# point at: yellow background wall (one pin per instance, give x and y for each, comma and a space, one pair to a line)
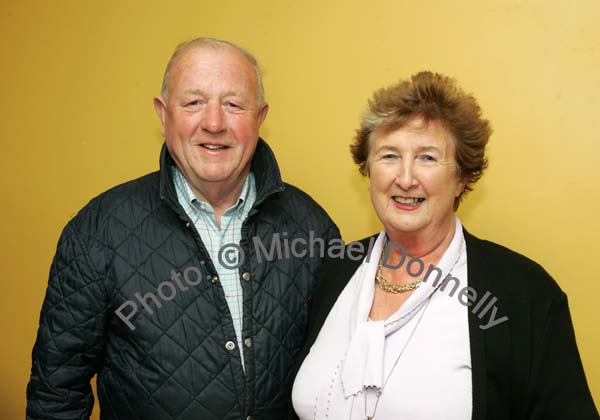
76, 109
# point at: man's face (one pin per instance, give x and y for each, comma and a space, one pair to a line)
210, 120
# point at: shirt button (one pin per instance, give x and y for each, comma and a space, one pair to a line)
248, 342
249, 418
215, 279
246, 276
230, 345
187, 225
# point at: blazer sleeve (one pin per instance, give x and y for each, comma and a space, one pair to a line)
558, 387
69, 347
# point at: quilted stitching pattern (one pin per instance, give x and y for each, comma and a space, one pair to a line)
174, 365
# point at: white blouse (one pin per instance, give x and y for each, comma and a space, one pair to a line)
418, 360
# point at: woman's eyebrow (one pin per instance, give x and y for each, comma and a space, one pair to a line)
428, 148
387, 147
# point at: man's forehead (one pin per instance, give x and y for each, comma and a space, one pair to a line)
209, 56
200, 64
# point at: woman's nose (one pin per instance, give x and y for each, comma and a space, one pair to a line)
406, 178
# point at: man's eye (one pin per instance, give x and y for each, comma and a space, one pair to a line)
193, 103
233, 105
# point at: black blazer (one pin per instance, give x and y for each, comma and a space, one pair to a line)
525, 368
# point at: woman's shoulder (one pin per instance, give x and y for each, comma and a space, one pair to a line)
506, 270
337, 269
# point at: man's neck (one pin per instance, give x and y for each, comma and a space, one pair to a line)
220, 195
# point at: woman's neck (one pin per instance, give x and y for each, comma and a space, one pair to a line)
429, 246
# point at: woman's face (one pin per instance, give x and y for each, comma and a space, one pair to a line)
413, 179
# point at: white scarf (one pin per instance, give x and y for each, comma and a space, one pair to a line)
355, 345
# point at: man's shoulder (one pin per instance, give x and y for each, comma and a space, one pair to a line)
127, 201
297, 205
299, 197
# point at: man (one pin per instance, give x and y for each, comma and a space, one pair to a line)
142, 289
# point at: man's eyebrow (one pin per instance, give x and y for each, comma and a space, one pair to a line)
200, 92
193, 92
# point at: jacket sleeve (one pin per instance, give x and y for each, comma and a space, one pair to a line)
69, 347
558, 388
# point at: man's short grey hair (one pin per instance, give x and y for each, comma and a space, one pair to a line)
216, 44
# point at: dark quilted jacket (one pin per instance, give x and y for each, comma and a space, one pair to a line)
176, 363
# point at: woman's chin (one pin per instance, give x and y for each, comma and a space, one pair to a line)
418, 229
404, 230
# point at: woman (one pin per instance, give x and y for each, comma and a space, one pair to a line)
435, 323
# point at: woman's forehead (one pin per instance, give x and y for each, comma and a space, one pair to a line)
418, 134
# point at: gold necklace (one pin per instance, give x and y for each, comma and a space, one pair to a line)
392, 288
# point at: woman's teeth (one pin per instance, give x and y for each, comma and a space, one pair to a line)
408, 201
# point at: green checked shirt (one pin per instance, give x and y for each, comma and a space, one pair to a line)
214, 238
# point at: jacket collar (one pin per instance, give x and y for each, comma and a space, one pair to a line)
264, 166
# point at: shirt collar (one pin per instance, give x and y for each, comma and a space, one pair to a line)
249, 185
183, 188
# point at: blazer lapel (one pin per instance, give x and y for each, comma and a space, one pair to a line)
478, 280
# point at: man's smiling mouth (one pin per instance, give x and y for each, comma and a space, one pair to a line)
214, 146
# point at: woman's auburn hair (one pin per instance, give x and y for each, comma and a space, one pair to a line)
433, 97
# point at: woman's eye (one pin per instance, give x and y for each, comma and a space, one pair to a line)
427, 158
389, 156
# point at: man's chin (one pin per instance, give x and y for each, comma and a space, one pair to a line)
220, 176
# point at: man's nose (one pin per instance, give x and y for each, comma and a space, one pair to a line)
213, 119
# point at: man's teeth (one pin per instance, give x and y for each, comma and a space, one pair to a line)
214, 146
408, 201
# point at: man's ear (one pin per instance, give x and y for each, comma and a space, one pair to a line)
262, 114
161, 109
